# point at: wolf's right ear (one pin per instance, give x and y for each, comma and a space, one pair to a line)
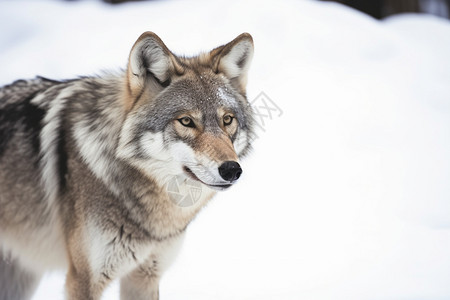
149, 57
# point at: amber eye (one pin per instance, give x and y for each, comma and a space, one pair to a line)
187, 122
227, 120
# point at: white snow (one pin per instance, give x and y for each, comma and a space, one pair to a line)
346, 195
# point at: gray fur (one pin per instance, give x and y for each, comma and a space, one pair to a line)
82, 188
16, 283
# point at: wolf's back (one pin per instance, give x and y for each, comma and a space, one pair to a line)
19, 117
20, 130
22, 89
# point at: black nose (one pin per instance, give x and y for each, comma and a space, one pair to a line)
230, 171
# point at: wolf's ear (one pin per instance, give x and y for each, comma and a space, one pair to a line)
233, 59
149, 57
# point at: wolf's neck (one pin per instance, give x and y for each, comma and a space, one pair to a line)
96, 119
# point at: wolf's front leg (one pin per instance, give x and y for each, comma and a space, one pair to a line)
142, 283
79, 285
83, 283
87, 278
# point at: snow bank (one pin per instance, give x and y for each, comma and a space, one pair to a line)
346, 195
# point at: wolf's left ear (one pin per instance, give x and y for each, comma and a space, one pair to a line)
233, 59
149, 59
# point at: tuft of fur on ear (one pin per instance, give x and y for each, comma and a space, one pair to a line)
234, 58
149, 56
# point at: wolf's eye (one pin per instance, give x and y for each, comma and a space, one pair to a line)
187, 122
227, 120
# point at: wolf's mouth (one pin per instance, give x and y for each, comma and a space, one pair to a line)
214, 186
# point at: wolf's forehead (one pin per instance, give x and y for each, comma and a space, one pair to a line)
205, 96
205, 91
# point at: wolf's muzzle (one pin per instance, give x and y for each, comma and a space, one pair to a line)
230, 171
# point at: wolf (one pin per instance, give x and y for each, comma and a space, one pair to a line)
85, 165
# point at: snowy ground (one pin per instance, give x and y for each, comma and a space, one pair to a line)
347, 193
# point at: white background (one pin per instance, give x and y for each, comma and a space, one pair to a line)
346, 195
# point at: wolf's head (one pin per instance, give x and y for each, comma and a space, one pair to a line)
187, 115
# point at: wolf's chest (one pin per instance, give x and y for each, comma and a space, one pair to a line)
114, 258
